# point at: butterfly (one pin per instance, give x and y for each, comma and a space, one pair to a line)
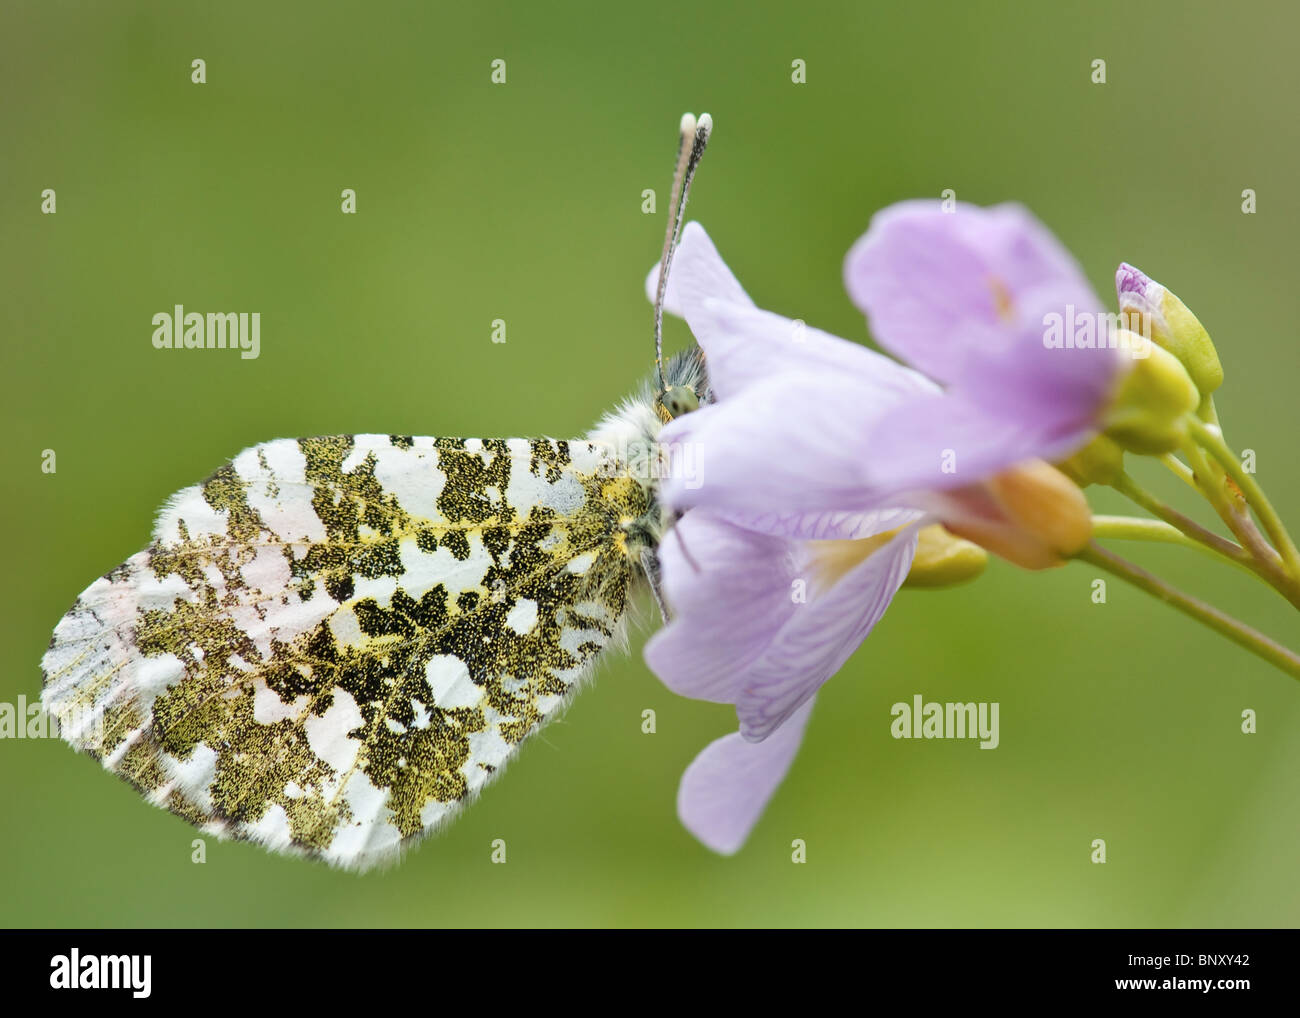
333, 644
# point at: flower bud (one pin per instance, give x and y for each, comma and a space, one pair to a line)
1031, 514
1152, 310
1101, 461
1147, 413
943, 560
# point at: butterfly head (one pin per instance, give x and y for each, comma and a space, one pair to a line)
677, 400
684, 387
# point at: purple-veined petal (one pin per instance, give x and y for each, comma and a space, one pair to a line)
1135, 288
821, 635
1141, 299
822, 526
928, 280
729, 590
726, 788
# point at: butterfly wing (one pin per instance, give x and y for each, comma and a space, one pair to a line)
333, 643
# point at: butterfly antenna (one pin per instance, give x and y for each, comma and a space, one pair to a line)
690, 150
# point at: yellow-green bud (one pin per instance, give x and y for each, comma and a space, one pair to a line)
943, 560
1155, 312
1147, 413
1101, 461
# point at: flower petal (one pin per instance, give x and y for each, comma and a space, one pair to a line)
1136, 289
948, 441
696, 274
822, 526
820, 636
924, 277
1067, 359
745, 345
726, 788
728, 589
791, 444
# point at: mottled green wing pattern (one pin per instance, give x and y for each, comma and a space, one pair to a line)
333, 643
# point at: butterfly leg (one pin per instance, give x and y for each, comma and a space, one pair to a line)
650, 565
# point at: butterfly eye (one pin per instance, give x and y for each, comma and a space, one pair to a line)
679, 399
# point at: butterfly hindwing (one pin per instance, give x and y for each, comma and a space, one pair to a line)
333, 643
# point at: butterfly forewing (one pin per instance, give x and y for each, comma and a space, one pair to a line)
334, 642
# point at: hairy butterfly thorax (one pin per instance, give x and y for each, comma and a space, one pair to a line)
633, 430
333, 644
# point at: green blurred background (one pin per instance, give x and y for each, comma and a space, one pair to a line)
523, 201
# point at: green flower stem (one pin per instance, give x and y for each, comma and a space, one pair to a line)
1210, 482
1207, 477
1136, 528
1211, 439
1135, 493
1225, 625
1260, 559
1180, 470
